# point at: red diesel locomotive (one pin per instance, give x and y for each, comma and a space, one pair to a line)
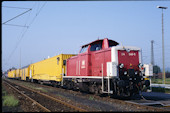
103, 66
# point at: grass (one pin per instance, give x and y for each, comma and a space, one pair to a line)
159, 81
91, 98
41, 89
10, 100
159, 89
3, 91
35, 88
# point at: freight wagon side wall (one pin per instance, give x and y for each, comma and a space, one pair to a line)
11, 74
17, 73
46, 69
21, 73
64, 59
31, 71
24, 73
28, 72
49, 69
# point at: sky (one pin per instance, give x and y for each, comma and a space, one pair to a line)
56, 27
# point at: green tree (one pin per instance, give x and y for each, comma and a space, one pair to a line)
156, 69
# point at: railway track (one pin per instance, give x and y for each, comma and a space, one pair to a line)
156, 102
139, 105
45, 102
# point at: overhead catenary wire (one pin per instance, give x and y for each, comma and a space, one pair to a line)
23, 35
37, 13
15, 7
16, 25
24, 32
16, 16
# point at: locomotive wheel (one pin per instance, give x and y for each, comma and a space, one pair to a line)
98, 90
69, 85
92, 90
84, 87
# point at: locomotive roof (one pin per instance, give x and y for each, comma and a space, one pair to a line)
100, 40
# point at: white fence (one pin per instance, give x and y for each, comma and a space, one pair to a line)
161, 85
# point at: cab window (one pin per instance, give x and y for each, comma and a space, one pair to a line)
84, 49
96, 47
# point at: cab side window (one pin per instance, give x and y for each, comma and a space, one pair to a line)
96, 47
84, 49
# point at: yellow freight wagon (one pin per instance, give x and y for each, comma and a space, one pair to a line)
17, 74
20, 73
11, 74
24, 73
50, 69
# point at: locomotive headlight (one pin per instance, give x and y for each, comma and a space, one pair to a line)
140, 65
121, 65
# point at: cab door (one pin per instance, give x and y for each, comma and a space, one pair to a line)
97, 58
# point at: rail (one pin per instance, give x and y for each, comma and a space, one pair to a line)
144, 104
38, 104
51, 98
